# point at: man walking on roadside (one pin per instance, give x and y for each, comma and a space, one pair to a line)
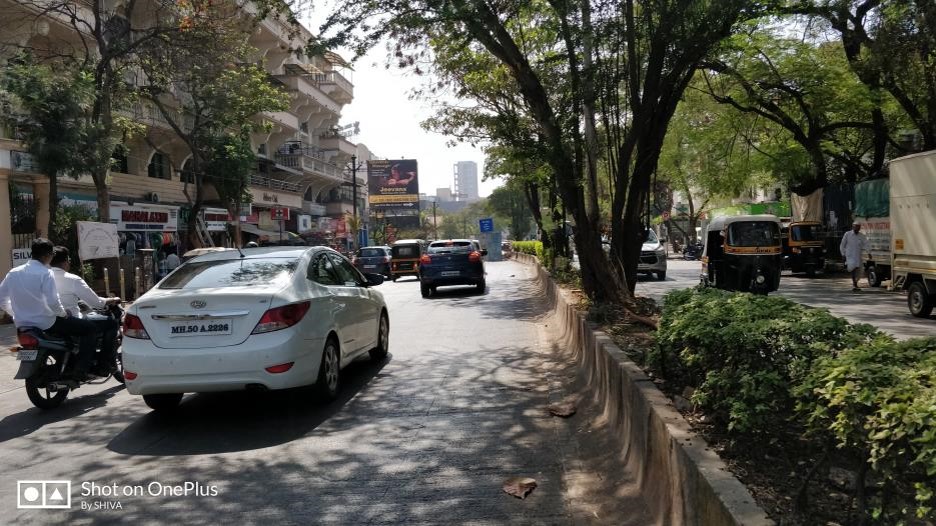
854, 244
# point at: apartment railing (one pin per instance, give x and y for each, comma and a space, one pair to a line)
273, 184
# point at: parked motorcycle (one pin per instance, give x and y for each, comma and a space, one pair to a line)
47, 362
693, 252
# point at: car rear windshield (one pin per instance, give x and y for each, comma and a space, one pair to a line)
406, 251
451, 247
753, 234
803, 232
231, 273
372, 252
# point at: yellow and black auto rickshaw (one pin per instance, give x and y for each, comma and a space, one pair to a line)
803, 248
404, 257
743, 253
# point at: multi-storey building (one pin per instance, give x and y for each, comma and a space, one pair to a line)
466, 181
301, 158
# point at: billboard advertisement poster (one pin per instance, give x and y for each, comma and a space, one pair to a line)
393, 184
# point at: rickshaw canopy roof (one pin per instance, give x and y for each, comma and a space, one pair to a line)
720, 223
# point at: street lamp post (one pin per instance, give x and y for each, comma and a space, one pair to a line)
354, 186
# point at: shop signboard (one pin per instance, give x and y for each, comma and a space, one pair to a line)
21, 256
144, 218
216, 219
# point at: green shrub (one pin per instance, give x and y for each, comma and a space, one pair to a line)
878, 401
533, 248
762, 364
742, 352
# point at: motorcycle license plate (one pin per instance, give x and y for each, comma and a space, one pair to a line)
29, 355
218, 327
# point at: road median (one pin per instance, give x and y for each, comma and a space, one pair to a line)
681, 479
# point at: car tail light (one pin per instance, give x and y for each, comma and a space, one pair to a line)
133, 328
281, 368
130, 375
27, 340
281, 317
425, 259
474, 257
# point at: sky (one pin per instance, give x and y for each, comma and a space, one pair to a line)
390, 122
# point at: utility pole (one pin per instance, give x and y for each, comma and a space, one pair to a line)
435, 226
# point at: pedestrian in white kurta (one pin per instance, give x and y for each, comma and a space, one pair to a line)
854, 244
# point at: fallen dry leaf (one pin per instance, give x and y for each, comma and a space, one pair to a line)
565, 410
519, 487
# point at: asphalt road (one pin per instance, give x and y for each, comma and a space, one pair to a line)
878, 307
425, 437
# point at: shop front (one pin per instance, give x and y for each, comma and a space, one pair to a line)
148, 227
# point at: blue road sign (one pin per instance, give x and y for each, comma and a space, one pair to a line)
487, 224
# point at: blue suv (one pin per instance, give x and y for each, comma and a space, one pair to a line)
451, 262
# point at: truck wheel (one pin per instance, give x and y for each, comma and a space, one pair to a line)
874, 279
919, 301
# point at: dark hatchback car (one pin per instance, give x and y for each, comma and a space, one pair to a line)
373, 260
451, 262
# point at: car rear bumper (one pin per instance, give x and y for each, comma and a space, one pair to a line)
223, 368
442, 281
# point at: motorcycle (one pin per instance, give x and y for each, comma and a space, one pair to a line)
47, 361
693, 252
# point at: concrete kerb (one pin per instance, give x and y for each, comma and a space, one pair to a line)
682, 480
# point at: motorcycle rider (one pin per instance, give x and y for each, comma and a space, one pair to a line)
28, 294
72, 289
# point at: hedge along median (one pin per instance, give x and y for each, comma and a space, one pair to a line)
682, 480
765, 366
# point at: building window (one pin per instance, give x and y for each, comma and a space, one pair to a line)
119, 160
188, 173
159, 167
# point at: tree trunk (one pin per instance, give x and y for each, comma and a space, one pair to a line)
53, 204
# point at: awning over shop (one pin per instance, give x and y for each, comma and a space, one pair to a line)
268, 235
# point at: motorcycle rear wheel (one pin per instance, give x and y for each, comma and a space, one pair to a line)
42, 398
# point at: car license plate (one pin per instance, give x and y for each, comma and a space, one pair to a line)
27, 355
448, 273
217, 327
370, 266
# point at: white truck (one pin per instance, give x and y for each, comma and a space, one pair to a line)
913, 230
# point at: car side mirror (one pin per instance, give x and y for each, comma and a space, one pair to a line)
483, 251
374, 279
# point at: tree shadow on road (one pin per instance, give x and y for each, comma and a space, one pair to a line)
33, 419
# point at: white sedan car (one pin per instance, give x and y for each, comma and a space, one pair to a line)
262, 318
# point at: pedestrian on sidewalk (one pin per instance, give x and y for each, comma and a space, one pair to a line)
854, 244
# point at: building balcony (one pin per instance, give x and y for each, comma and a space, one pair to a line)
275, 184
337, 87
339, 144
145, 112
283, 119
310, 84
308, 159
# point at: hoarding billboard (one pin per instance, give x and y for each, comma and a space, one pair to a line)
393, 185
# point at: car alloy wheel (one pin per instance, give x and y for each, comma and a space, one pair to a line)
329, 374
383, 339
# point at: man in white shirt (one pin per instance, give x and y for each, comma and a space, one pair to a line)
853, 245
72, 289
28, 294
